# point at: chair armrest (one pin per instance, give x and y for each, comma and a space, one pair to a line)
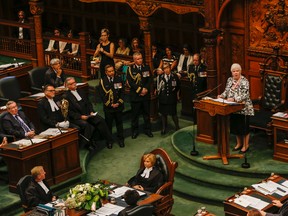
4, 99
25, 93
36, 89
164, 188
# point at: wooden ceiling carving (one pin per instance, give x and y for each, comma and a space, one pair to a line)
268, 25
146, 8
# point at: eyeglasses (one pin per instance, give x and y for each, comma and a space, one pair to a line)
51, 90
71, 83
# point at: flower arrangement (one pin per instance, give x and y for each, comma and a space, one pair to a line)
87, 196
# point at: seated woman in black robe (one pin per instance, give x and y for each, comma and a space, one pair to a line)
148, 178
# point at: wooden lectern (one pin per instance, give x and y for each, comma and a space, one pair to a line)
222, 112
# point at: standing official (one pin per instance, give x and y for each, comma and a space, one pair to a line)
112, 93
198, 74
167, 89
139, 80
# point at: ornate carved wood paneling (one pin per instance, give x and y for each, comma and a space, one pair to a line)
148, 7
268, 25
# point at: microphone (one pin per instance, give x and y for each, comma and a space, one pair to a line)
207, 93
57, 126
30, 140
18, 65
59, 129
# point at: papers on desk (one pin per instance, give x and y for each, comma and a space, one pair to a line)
285, 184
245, 201
53, 132
220, 100
11, 65
271, 187
107, 209
28, 142
118, 192
281, 114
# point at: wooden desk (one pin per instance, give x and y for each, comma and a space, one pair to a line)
150, 199
222, 112
58, 155
280, 133
29, 105
232, 209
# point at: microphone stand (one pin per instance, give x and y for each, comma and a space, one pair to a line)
245, 165
194, 152
15, 60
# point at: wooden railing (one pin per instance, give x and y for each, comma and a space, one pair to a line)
75, 65
13, 47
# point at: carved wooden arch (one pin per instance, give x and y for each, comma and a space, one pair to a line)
146, 8
219, 16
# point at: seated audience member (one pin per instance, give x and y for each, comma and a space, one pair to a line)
283, 211
71, 48
185, 60
38, 191
131, 197
170, 58
82, 114
55, 75
16, 123
148, 178
56, 46
49, 110
122, 50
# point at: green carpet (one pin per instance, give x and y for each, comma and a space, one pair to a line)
197, 182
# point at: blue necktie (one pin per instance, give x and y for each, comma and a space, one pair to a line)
22, 124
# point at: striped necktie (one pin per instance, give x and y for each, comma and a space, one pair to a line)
22, 124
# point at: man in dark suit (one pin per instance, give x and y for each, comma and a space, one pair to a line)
55, 75
38, 191
82, 114
112, 93
49, 110
139, 79
16, 123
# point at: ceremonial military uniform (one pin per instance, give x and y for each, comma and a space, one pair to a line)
198, 76
167, 88
112, 92
139, 77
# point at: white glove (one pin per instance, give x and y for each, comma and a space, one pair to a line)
63, 124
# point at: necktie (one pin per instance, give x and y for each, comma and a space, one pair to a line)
22, 124
110, 79
139, 68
